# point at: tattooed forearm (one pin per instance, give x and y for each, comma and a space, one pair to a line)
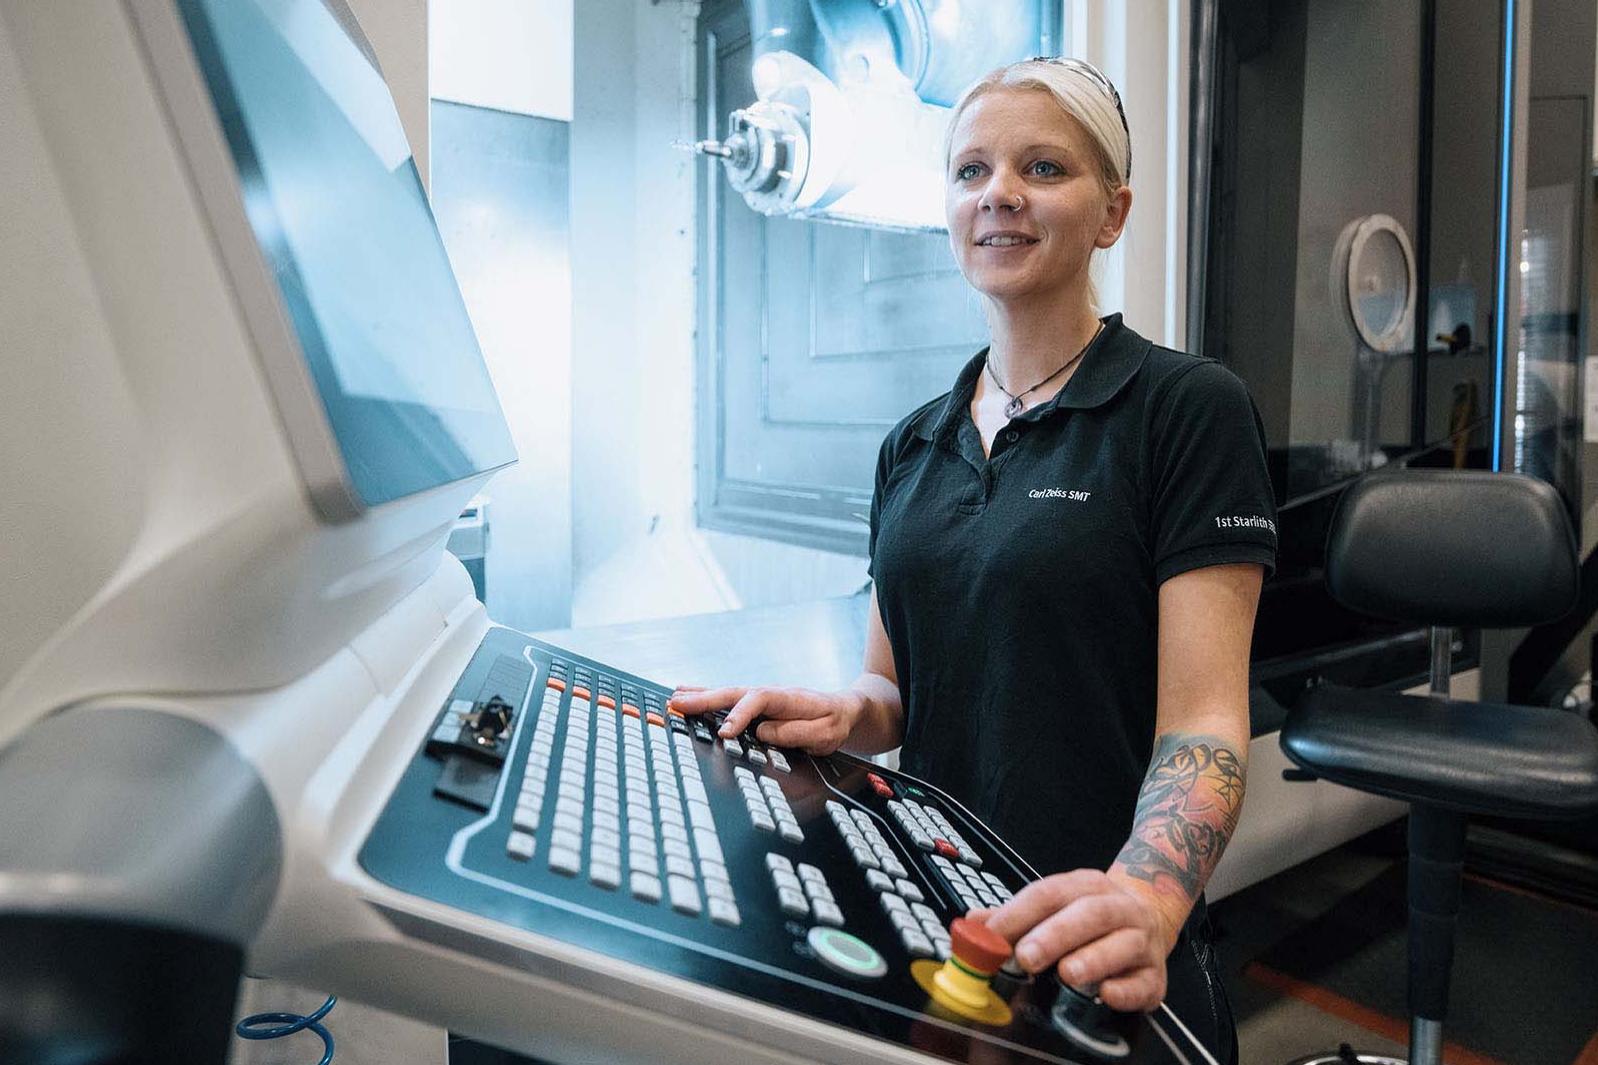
1186, 813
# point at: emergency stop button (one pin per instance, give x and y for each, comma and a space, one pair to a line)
963, 985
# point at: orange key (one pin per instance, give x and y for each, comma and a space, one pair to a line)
655, 719
629, 709
581, 693
558, 684
607, 702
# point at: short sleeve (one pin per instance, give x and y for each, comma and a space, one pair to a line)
885, 459
1211, 492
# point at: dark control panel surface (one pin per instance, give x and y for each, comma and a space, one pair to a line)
558, 795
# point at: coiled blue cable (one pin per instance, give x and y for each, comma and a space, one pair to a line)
288, 1024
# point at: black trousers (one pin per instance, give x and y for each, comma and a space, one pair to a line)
1194, 991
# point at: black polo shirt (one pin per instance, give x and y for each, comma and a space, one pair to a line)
1019, 590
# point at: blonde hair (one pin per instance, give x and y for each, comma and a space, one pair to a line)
1083, 93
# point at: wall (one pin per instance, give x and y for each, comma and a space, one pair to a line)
501, 73
1144, 51
1358, 158
397, 32
510, 55
500, 196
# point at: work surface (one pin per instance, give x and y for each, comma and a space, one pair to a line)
815, 645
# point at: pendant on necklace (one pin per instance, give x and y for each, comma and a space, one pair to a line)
1012, 408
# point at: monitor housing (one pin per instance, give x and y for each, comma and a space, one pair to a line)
221, 475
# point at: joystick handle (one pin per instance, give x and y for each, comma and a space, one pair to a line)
1089, 1024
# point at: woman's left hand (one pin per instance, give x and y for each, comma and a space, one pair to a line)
1101, 935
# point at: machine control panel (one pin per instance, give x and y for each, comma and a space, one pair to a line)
558, 795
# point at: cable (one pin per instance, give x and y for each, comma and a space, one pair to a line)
288, 1024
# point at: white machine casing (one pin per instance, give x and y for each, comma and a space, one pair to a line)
163, 551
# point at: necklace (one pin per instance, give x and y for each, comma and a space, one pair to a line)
1012, 408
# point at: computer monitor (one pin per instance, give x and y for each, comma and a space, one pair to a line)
338, 210
240, 303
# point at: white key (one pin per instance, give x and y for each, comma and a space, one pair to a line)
520, 845
916, 943
779, 761
604, 874
566, 839
775, 861
699, 814
684, 894
828, 912
645, 887
786, 881
878, 881
708, 844
722, 911
809, 872
793, 902
676, 867
908, 890
718, 889
566, 861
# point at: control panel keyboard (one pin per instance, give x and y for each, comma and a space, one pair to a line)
563, 797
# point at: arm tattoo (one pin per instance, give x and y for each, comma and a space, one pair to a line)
1186, 813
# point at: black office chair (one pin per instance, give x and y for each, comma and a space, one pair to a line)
1447, 548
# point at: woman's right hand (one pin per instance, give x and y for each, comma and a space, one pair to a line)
813, 721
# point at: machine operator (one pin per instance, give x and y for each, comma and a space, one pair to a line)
1068, 549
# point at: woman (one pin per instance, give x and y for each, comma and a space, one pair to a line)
1068, 549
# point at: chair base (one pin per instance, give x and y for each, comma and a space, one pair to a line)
1425, 1048
1345, 1056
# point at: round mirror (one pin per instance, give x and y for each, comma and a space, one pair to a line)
1381, 284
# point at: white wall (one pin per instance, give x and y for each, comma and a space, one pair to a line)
516, 56
398, 32
511, 55
1144, 51
1359, 158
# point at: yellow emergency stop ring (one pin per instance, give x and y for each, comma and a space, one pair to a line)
961, 993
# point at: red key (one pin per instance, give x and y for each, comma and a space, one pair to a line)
945, 848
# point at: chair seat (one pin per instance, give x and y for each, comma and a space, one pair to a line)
1476, 758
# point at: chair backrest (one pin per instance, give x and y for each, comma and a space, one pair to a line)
1461, 548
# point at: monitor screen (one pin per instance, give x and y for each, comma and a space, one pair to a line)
338, 209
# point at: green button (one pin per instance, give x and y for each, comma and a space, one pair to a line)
846, 954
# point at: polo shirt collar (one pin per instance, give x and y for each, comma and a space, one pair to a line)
1112, 360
